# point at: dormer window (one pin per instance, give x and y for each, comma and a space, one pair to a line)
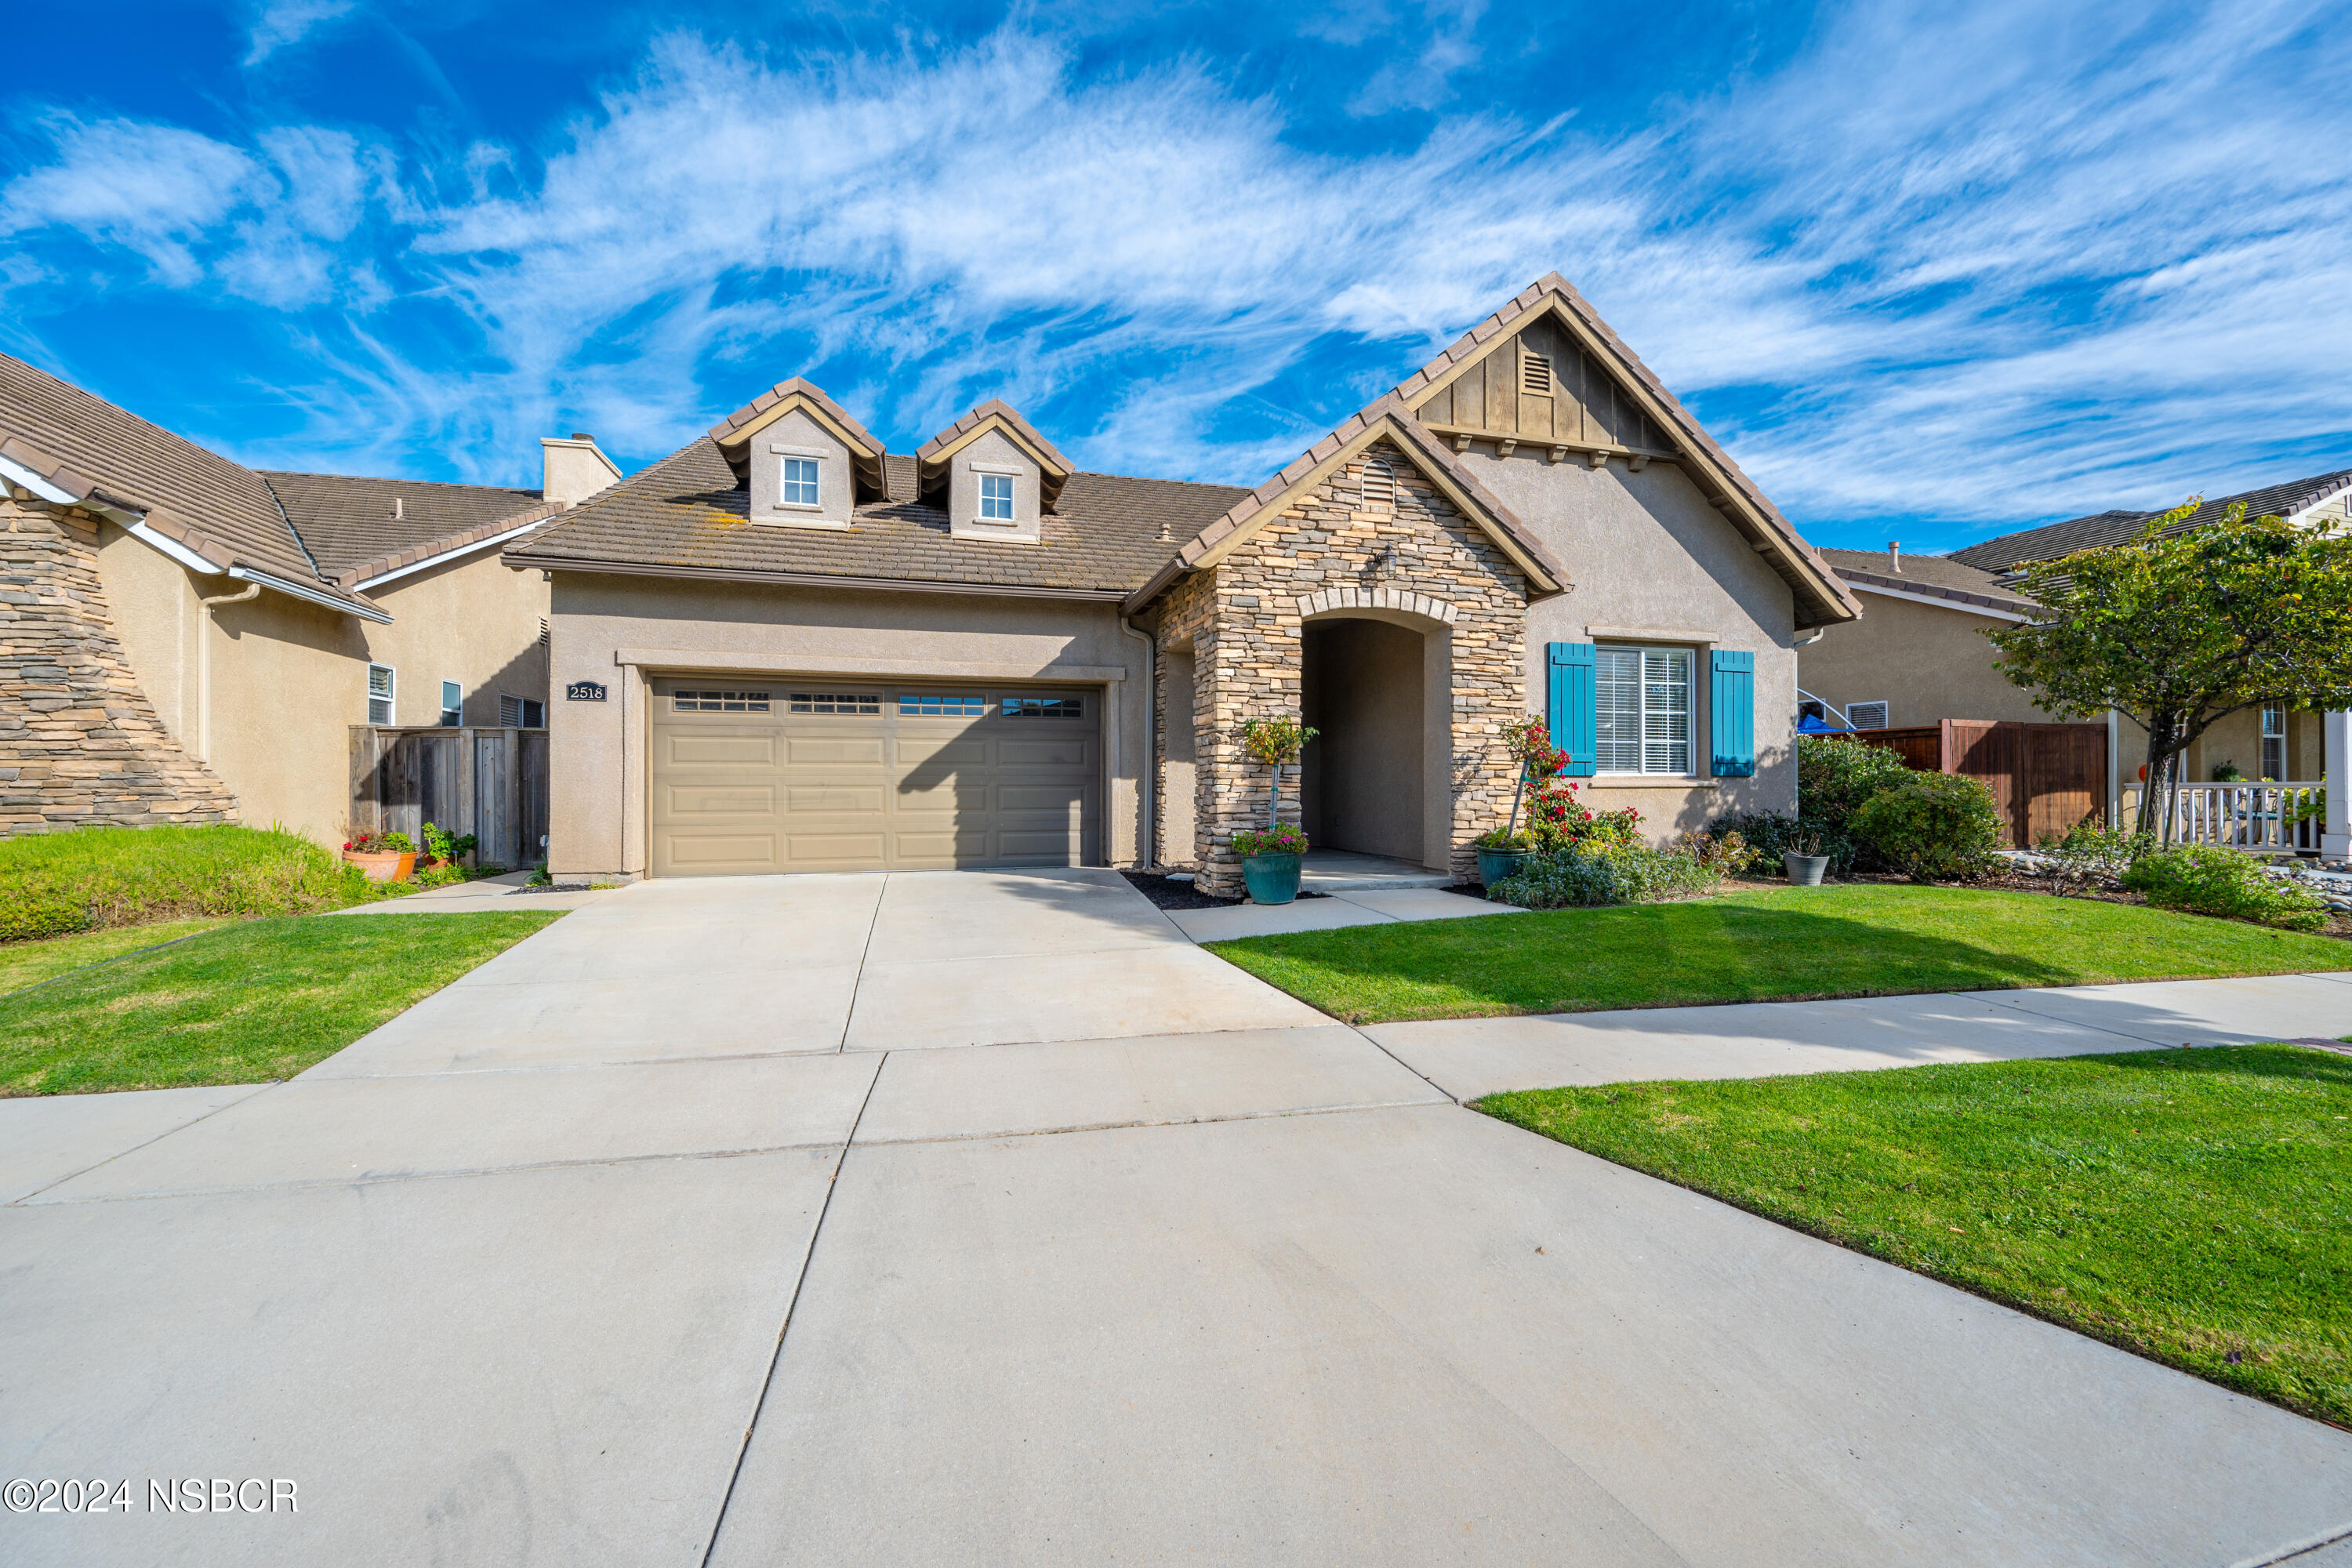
997, 498
800, 487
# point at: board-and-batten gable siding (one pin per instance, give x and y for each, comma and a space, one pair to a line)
1587, 406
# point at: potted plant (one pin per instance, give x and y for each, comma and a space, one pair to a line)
1270, 858
1804, 860
1270, 862
383, 857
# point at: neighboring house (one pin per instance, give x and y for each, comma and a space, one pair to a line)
784, 648
186, 640
1922, 652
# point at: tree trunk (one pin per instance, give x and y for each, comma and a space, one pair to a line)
1274, 806
1518, 787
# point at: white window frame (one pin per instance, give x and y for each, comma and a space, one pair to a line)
980, 478
2269, 737
1655, 741
787, 455
448, 708
389, 697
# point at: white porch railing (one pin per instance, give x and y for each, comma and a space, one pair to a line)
2267, 818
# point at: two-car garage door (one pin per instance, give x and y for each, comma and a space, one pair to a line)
804, 774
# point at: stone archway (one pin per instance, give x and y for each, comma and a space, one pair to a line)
1376, 678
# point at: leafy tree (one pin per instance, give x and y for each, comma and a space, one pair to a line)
2178, 631
1276, 742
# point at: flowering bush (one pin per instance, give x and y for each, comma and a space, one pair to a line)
1283, 840
381, 844
1556, 819
1595, 872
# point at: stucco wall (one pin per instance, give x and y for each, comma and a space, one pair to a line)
288, 678
993, 453
1926, 663
597, 814
1646, 550
801, 437
472, 621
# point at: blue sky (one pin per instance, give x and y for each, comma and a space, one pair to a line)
1931, 271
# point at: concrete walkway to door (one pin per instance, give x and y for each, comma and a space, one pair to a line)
684, 1233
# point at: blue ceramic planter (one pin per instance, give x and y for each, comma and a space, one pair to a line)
1272, 879
1494, 865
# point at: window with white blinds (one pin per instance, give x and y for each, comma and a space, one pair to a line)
1642, 710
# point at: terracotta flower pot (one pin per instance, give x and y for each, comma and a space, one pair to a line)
390, 866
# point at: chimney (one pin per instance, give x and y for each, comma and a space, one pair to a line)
574, 467
1894, 556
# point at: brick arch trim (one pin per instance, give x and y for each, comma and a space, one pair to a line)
1327, 600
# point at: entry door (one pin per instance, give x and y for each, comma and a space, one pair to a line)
753, 775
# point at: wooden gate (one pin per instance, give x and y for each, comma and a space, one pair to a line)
2045, 777
490, 783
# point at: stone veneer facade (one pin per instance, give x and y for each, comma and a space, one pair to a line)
79, 743
1330, 547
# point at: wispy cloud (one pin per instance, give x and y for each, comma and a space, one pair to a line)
282, 22
1980, 266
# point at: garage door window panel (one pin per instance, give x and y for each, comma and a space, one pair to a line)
865, 703
720, 702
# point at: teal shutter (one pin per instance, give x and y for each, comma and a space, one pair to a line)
1732, 701
1567, 690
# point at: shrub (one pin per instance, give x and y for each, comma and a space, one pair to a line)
88, 878
1581, 875
1938, 827
1835, 778
2087, 853
2210, 879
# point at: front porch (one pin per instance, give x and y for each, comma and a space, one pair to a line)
1343, 871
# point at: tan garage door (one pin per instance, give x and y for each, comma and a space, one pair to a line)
762, 776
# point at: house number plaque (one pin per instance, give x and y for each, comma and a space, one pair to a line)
584, 692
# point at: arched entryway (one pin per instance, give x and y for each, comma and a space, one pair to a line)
1377, 681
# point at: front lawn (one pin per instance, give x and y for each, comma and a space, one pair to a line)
25, 963
90, 879
1759, 944
2192, 1206
245, 1003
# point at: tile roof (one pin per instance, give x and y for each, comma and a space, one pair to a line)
348, 525
687, 515
995, 408
219, 509
1818, 589
2008, 552
751, 411
1929, 577
1391, 411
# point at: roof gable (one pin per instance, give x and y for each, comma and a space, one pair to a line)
1388, 418
933, 457
1605, 401
733, 434
2005, 552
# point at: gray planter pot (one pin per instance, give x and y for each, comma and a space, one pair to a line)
1804, 870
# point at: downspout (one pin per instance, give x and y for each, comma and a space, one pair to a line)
1148, 775
205, 665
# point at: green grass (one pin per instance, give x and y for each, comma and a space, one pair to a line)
93, 877
23, 964
2191, 1205
1758, 944
246, 1004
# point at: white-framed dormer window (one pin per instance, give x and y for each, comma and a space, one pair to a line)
800, 486
1641, 710
453, 704
381, 681
2275, 743
995, 497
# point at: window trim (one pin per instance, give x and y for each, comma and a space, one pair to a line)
1691, 712
447, 708
391, 698
1011, 477
2265, 737
784, 481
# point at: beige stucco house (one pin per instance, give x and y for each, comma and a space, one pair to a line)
186, 640
784, 648
1921, 656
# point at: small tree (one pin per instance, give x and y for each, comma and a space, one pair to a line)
2178, 631
1276, 742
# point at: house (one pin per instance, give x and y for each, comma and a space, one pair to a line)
786, 647
1921, 655
186, 640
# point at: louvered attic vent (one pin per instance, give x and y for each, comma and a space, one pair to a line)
1534, 374
1379, 483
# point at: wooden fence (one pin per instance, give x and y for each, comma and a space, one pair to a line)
2045, 777
489, 783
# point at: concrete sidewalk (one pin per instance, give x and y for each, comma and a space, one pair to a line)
685, 1231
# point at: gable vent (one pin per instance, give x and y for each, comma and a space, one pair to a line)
1534, 374
1379, 482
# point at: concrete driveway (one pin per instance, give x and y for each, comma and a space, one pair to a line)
682, 1232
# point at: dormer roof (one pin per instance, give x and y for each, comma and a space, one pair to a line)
934, 455
733, 434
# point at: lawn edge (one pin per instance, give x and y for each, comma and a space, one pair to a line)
1801, 1228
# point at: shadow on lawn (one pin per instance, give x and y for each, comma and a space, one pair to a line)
1661, 955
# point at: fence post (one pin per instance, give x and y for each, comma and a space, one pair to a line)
510, 806
464, 813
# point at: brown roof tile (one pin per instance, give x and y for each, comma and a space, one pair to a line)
996, 408
783, 389
2006, 553
348, 525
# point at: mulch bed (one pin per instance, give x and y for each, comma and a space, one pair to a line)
1168, 894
